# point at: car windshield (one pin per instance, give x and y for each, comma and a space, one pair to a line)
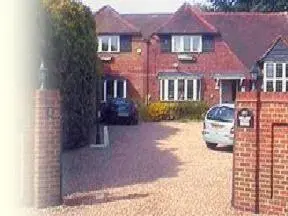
223, 114
120, 102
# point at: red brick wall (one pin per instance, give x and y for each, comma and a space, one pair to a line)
47, 149
132, 66
219, 61
270, 184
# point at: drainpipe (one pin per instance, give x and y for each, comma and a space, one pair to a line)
147, 72
257, 128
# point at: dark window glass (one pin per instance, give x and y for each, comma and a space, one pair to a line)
286, 70
114, 43
125, 43
278, 85
165, 43
110, 88
198, 89
163, 90
105, 44
103, 90
181, 89
279, 71
269, 86
120, 88
170, 89
286, 86
269, 70
208, 43
190, 89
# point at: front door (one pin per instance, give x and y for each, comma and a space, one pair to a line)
228, 90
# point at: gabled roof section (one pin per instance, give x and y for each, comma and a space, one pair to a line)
187, 20
109, 21
249, 34
280, 38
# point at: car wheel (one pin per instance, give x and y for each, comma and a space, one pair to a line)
211, 145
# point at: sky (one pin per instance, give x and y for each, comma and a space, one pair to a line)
140, 6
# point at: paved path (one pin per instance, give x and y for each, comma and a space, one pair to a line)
150, 169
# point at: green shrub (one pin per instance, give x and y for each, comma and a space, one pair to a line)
143, 112
158, 111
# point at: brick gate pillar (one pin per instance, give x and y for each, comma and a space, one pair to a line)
244, 158
260, 158
47, 147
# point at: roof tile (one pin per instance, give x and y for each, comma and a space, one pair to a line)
109, 21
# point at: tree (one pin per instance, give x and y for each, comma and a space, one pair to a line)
250, 5
69, 47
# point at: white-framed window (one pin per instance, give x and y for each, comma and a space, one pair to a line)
114, 89
108, 43
186, 43
180, 89
275, 77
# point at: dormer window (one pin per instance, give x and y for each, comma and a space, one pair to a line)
186, 43
109, 43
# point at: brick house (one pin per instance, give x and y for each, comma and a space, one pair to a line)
189, 54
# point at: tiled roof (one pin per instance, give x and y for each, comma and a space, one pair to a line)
148, 23
186, 20
108, 21
249, 35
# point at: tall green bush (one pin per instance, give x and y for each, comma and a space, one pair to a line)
69, 48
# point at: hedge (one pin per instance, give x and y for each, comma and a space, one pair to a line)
157, 111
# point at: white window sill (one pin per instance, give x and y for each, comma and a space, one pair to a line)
105, 52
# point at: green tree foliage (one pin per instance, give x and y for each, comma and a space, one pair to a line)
250, 5
69, 47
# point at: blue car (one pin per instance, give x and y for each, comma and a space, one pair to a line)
119, 110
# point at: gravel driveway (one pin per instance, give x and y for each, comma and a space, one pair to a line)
150, 169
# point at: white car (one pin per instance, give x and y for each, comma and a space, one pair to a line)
218, 126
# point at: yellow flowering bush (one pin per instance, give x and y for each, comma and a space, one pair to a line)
193, 110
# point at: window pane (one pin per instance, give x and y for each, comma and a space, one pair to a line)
103, 89
110, 88
170, 89
105, 41
286, 86
279, 71
181, 89
190, 89
120, 88
269, 70
196, 44
286, 70
198, 89
177, 44
187, 42
114, 43
163, 89
278, 85
269, 86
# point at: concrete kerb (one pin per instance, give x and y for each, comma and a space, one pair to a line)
105, 140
